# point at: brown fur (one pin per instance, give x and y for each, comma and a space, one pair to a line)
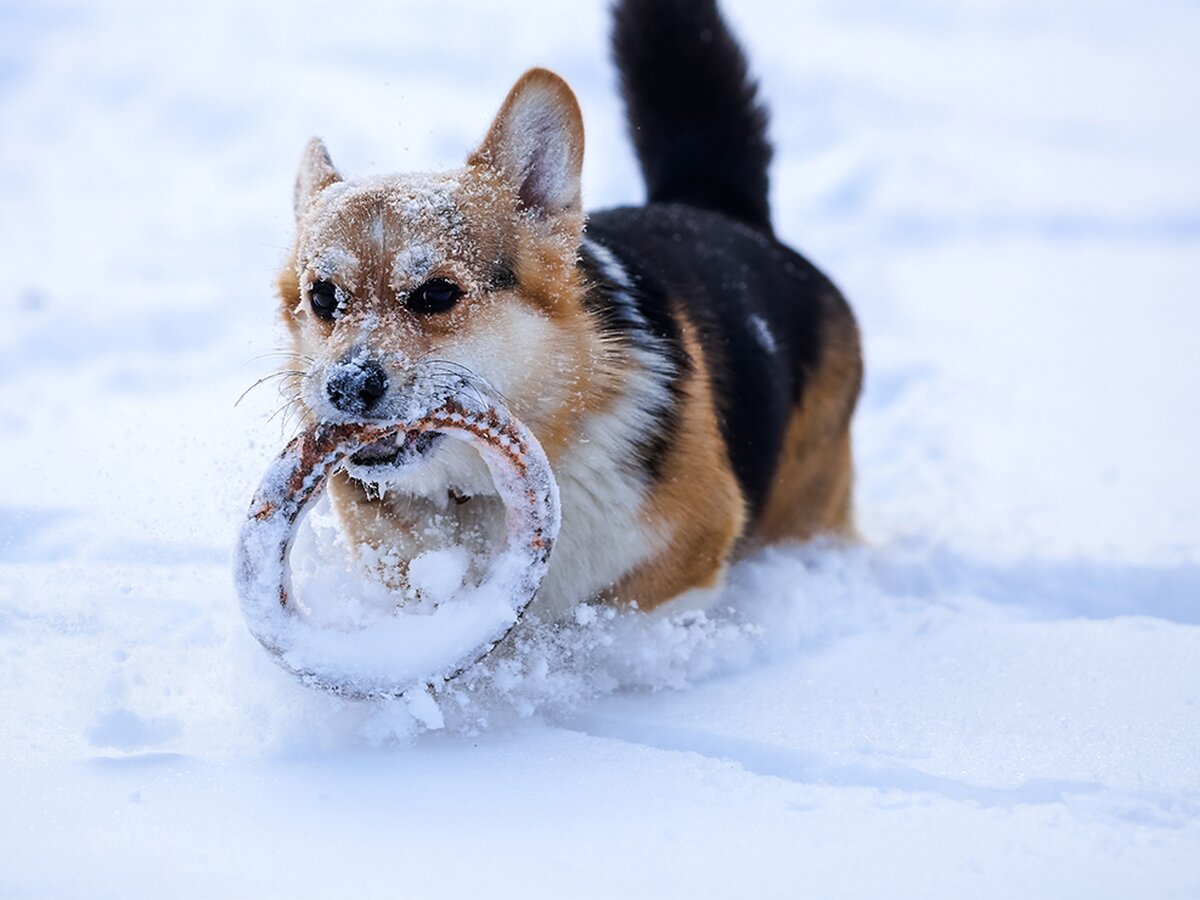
699, 502
812, 490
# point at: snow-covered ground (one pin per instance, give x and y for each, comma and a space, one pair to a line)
997, 695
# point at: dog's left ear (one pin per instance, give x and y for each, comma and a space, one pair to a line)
536, 142
316, 173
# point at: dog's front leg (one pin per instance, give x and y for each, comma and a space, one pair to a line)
400, 528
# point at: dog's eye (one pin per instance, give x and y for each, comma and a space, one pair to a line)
434, 296
323, 297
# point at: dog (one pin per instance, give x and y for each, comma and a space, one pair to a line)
691, 378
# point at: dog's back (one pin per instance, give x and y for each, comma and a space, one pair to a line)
779, 342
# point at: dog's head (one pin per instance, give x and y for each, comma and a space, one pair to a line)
469, 275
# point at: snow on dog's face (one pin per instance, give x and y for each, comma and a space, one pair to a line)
407, 283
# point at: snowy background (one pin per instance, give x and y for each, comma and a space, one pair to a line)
998, 695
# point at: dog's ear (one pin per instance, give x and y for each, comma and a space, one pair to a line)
316, 173
536, 142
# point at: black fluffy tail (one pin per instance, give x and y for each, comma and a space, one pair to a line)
698, 128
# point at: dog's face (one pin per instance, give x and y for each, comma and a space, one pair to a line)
407, 283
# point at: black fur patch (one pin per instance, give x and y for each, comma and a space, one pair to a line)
759, 309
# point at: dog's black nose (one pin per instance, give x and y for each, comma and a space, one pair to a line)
355, 386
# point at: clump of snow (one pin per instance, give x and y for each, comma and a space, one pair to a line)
413, 264
437, 575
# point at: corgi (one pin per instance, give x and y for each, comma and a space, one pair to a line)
691, 378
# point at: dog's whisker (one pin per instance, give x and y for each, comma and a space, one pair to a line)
293, 373
294, 382
285, 408
481, 387
457, 386
306, 419
282, 354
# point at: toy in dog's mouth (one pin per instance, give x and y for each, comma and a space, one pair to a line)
402, 651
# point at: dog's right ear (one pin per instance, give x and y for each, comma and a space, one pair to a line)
536, 143
316, 174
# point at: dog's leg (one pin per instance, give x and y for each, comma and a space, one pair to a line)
697, 506
399, 528
811, 494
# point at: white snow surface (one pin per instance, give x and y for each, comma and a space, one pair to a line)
997, 694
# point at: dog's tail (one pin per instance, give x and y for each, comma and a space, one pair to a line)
698, 128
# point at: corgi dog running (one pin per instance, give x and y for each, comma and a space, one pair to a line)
690, 378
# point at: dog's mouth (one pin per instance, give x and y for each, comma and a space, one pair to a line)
382, 458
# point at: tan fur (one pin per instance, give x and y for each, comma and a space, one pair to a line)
699, 503
812, 490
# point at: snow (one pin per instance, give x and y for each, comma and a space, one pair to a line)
997, 694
